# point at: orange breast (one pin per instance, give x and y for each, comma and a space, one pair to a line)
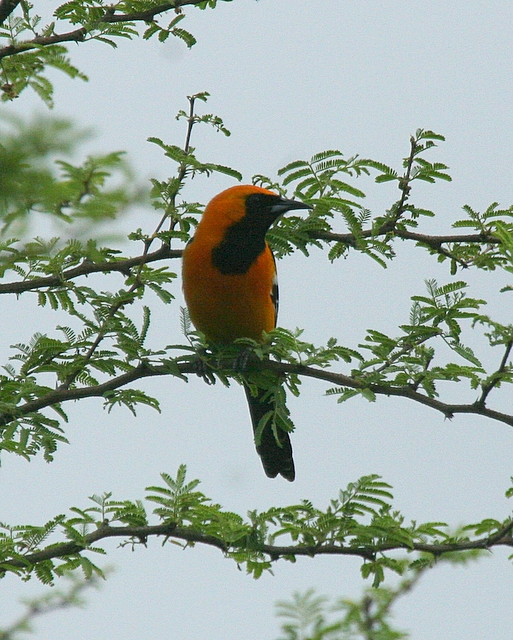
227, 307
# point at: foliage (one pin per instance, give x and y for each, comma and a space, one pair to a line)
307, 617
54, 600
104, 299
100, 348
32, 47
39, 185
360, 522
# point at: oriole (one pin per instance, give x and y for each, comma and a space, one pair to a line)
231, 290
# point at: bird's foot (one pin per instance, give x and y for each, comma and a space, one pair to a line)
202, 369
243, 361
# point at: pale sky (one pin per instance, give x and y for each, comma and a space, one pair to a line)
290, 79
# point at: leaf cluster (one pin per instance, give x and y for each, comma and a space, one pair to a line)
360, 522
340, 202
307, 615
102, 336
36, 182
411, 360
31, 48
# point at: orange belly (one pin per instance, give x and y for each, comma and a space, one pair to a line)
227, 307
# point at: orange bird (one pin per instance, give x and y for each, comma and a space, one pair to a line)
231, 290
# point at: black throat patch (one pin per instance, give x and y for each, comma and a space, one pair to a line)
244, 240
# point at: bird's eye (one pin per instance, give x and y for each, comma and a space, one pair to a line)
256, 200
259, 201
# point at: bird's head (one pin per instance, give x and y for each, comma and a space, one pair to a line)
258, 207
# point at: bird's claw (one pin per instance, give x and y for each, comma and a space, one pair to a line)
242, 362
202, 370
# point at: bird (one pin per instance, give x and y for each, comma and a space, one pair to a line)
231, 291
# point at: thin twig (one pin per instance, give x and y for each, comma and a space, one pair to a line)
495, 378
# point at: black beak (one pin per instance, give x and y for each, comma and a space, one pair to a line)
285, 205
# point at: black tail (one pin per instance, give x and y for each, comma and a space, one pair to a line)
276, 455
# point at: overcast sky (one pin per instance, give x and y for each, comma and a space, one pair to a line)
291, 78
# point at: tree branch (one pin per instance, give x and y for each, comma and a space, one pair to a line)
435, 242
275, 552
145, 370
449, 410
495, 378
86, 268
164, 253
503, 533
78, 35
